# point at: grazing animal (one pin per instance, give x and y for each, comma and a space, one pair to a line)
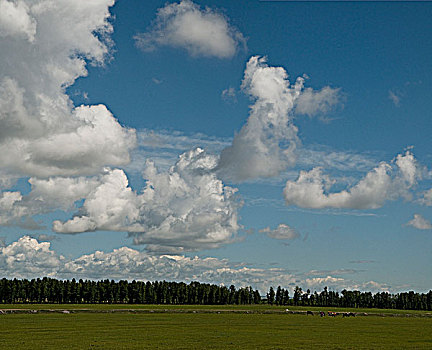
322, 313
309, 313
348, 314
331, 313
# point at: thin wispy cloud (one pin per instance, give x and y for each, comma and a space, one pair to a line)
395, 97
281, 232
229, 94
362, 261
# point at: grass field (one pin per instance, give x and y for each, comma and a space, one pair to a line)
210, 331
263, 327
262, 308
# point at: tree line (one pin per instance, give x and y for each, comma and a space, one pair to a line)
353, 299
50, 290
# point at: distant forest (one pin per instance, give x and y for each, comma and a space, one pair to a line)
49, 290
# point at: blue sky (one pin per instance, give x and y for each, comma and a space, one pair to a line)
321, 181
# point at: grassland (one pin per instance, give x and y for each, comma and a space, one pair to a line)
255, 327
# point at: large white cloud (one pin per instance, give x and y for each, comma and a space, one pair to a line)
185, 25
184, 208
46, 195
15, 20
28, 258
9, 210
44, 48
266, 144
385, 182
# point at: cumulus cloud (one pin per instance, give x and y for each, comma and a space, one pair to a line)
59, 192
46, 195
184, 208
28, 258
385, 182
15, 20
420, 222
312, 102
164, 146
426, 198
11, 210
283, 231
44, 48
202, 32
266, 144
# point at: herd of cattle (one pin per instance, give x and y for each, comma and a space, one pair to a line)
332, 314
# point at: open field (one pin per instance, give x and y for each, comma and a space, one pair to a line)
208, 329
262, 308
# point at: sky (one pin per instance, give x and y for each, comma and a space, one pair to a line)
257, 143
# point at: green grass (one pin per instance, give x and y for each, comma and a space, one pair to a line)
210, 331
238, 308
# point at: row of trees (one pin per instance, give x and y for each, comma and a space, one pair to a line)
49, 290
354, 299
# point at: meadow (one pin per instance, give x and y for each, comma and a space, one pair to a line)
208, 327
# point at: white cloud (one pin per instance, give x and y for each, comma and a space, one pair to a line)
229, 94
46, 195
184, 208
164, 146
15, 20
395, 97
11, 210
43, 50
266, 145
328, 158
46, 238
110, 205
202, 32
59, 192
426, 198
420, 222
312, 102
283, 231
385, 182
27, 258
